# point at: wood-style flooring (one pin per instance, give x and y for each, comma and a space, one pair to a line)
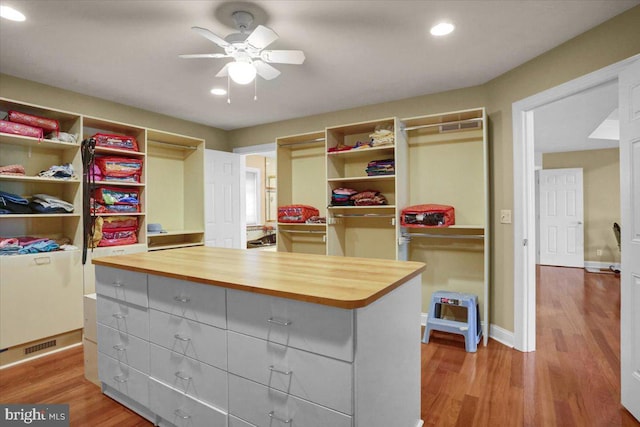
573, 379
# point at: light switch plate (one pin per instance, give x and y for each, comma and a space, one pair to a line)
505, 216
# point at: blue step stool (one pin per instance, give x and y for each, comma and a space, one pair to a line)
470, 329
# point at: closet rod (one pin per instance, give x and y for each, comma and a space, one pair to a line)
478, 119
304, 231
445, 236
183, 147
367, 215
308, 141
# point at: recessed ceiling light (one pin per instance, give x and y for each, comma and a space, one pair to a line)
218, 91
442, 29
11, 14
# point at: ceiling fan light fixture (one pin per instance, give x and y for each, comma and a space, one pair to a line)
11, 14
242, 72
442, 29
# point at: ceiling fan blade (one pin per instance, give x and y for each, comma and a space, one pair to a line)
283, 56
265, 70
209, 35
225, 71
203, 55
262, 37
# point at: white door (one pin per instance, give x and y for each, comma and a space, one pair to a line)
224, 200
561, 217
629, 87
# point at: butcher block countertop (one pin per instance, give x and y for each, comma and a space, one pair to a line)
329, 280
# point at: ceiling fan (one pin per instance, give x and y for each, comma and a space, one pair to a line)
247, 50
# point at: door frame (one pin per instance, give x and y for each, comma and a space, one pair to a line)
524, 190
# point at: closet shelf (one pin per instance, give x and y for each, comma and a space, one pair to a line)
119, 214
300, 224
27, 141
39, 216
120, 183
382, 150
356, 208
159, 247
175, 233
37, 179
364, 178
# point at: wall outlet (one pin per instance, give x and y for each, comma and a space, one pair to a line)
598, 252
505, 216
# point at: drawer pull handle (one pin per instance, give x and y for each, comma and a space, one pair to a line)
119, 347
181, 338
183, 376
279, 322
181, 414
42, 260
282, 420
182, 299
274, 369
119, 315
118, 284
120, 378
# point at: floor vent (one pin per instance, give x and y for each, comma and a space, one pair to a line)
40, 346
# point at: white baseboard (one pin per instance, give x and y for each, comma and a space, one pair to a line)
495, 332
598, 265
501, 335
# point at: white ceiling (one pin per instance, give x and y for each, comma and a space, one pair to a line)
358, 52
565, 125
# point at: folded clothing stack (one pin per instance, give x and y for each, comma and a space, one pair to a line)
342, 196
16, 170
44, 203
27, 245
64, 171
13, 204
351, 197
383, 135
381, 167
369, 198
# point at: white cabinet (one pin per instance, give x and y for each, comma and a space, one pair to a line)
40, 296
269, 361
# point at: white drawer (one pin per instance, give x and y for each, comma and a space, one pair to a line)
123, 285
194, 339
263, 406
203, 303
124, 347
237, 422
125, 379
181, 410
197, 379
307, 375
131, 319
312, 327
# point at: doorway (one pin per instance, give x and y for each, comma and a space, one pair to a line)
525, 213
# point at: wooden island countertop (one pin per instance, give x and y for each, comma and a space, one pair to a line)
329, 280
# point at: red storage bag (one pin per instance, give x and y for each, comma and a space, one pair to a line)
296, 213
121, 142
429, 215
20, 129
119, 168
51, 125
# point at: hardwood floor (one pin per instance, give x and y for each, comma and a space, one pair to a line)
573, 379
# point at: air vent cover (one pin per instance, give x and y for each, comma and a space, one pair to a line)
40, 346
